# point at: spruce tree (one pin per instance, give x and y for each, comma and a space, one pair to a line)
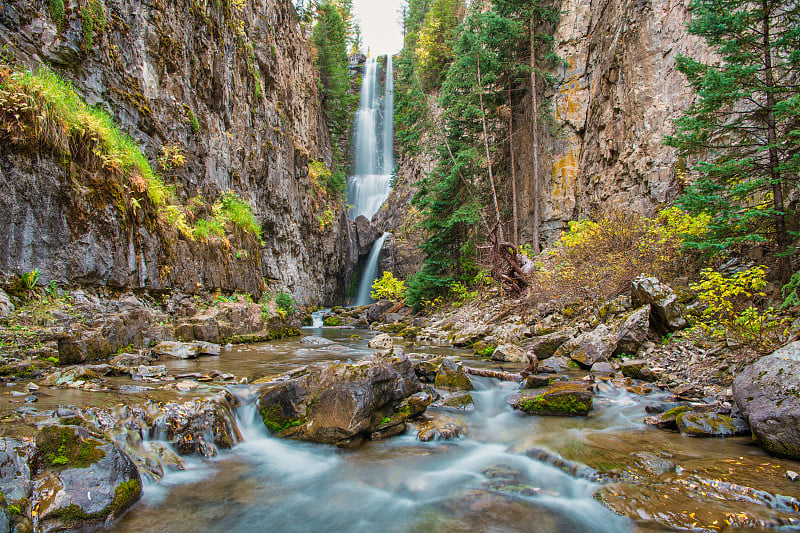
745, 122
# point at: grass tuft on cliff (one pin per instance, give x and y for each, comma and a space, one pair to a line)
42, 111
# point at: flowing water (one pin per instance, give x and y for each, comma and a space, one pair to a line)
370, 272
488, 480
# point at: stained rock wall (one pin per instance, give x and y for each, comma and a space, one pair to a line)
230, 83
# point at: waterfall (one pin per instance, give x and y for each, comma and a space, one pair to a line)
370, 271
370, 183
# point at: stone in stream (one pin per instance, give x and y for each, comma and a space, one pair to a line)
638, 369
461, 400
567, 398
343, 404
199, 427
382, 341
510, 353
81, 479
545, 346
602, 368
148, 372
316, 341
667, 419
710, 425
666, 314
555, 365
176, 350
440, 427
537, 381
452, 376
768, 393
15, 474
570, 467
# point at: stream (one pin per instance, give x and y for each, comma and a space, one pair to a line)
487, 480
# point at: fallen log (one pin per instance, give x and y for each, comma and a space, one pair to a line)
497, 374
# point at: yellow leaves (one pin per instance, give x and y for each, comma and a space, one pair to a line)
388, 288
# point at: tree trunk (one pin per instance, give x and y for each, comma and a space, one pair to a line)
535, 127
515, 215
781, 235
488, 158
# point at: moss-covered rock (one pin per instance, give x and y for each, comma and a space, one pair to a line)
668, 419
451, 376
710, 425
560, 399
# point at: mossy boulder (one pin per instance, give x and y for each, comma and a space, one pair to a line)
198, 427
452, 376
710, 425
560, 399
667, 419
461, 400
343, 404
537, 381
82, 480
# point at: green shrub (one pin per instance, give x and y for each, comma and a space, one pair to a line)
240, 214
791, 296
285, 302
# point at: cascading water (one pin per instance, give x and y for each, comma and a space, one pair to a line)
370, 272
370, 184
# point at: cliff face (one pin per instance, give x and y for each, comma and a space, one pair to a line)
231, 85
617, 94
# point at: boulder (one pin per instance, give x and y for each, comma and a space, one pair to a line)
602, 368
509, 353
316, 341
461, 400
632, 331
509, 334
667, 419
176, 350
537, 381
382, 341
376, 310
546, 345
426, 370
6, 306
342, 404
567, 398
207, 348
666, 314
148, 372
441, 427
555, 365
199, 427
591, 347
638, 369
82, 481
15, 475
471, 334
70, 377
366, 234
452, 376
710, 425
768, 394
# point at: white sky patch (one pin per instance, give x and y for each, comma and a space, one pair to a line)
381, 31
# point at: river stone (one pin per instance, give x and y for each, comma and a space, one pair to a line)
667, 419
710, 425
591, 347
382, 341
632, 332
509, 353
376, 310
198, 427
537, 381
555, 365
452, 376
632, 367
426, 370
570, 467
546, 345
559, 399
176, 350
653, 464
15, 475
441, 427
70, 377
768, 394
458, 400
144, 371
6, 306
340, 404
74, 494
207, 348
316, 341
666, 314
603, 368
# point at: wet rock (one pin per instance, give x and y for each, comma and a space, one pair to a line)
661, 407
572, 468
653, 464
207, 348
376, 310
768, 393
636, 369
316, 341
792, 476
129, 359
176, 350
537, 381
133, 389
416, 404
32, 387
555, 365
632, 332
199, 427
710, 425
5, 522
70, 377
666, 314
340, 404
15, 475
461, 400
83, 479
6, 306
366, 234
452, 376
546, 345
149, 372
667, 419
186, 385
559, 399
441, 427
382, 341
426, 370
509, 353
602, 368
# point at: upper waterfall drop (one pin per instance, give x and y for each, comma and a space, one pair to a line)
373, 165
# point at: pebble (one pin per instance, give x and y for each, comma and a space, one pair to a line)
32, 398
32, 387
792, 476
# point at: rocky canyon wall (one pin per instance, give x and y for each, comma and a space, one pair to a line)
231, 84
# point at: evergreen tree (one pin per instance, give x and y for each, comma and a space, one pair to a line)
745, 122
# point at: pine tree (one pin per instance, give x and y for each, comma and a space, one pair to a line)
745, 122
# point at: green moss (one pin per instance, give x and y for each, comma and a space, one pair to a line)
57, 12
60, 446
673, 413
453, 381
271, 335
13, 510
560, 400
332, 321
276, 422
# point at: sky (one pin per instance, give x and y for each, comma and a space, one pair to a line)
380, 25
